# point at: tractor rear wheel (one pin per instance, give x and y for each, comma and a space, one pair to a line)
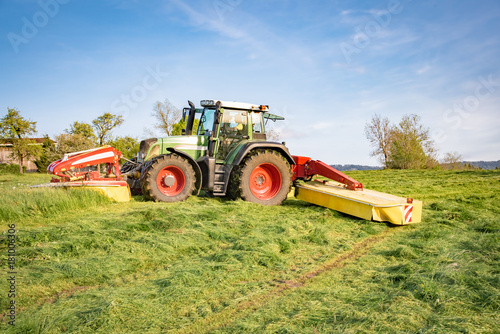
264, 177
170, 178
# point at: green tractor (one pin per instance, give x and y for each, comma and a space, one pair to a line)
226, 155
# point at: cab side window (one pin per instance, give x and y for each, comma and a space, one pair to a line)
258, 126
233, 129
234, 123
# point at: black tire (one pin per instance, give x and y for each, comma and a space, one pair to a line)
144, 192
169, 178
264, 177
134, 186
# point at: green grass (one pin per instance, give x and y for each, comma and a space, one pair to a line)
86, 264
27, 206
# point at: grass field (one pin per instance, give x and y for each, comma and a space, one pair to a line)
85, 264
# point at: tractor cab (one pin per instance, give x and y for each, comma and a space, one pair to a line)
227, 124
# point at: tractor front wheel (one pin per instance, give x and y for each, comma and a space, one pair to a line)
264, 178
170, 178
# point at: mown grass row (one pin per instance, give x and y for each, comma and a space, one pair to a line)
441, 276
210, 265
182, 261
177, 264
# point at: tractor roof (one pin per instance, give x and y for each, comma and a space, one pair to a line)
235, 105
243, 106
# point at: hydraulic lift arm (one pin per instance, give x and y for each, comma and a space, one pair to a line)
305, 168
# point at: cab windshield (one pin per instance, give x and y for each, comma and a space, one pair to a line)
206, 122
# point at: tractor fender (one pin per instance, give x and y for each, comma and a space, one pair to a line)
246, 148
194, 164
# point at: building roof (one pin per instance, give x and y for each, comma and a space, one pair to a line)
8, 141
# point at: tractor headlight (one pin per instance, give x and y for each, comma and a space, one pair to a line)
207, 103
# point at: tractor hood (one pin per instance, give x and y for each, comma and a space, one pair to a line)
194, 146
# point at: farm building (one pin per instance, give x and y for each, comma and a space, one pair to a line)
6, 151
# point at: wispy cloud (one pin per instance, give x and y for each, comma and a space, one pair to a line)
248, 32
213, 23
321, 126
423, 69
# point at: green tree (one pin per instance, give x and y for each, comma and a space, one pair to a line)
411, 146
167, 115
44, 161
178, 127
18, 130
403, 146
181, 125
104, 124
67, 143
82, 128
127, 145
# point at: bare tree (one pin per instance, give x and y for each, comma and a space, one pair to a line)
167, 116
452, 160
379, 132
273, 135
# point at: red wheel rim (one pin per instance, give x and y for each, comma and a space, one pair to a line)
265, 181
171, 180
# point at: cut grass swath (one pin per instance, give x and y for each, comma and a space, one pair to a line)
192, 266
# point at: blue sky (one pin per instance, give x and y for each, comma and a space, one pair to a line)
327, 66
